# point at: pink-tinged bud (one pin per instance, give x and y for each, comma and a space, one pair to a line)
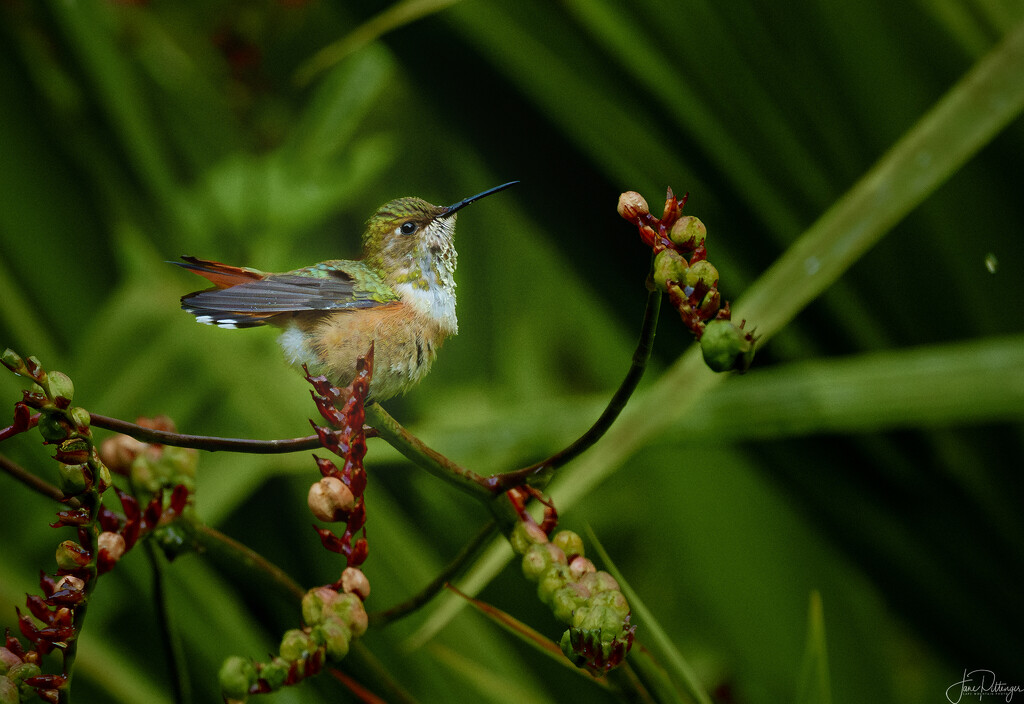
688, 233
570, 543
354, 616
119, 452
353, 581
8, 691
315, 603
236, 676
7, 660
112, 544
600, 581
330, 499
567, 599
69, 581
526, 534
632, 205
580, 566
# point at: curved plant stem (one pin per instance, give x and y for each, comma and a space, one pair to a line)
205, 442
36, 484
418, 452
507, 480
382, 618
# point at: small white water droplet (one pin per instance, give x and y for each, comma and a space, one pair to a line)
991, 263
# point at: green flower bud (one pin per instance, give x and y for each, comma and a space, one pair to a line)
72, 478
597, 617
296, 645
181, 463
688, 233
539, 557
8, 690
275, 673
105, 480
567, 649
599, 581
236, 676
553, 579
726, 347
349, 609
12, 360
669, 265
71, 556
570, 542
337, 638
613, 600
22, 671
81, 417
60, 385
52, 426
524, 535
314, 604
701, 273
567, 599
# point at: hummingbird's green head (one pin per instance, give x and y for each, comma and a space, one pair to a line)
410, 243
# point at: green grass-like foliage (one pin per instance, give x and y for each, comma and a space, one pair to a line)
857, 166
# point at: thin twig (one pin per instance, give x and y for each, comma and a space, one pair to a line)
382, 618
507, 480
36, 484
205, 442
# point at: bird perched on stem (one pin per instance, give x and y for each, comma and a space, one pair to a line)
400, 296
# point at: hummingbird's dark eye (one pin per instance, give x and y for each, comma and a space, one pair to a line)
408, 228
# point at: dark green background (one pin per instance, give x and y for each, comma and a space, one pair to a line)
872, 453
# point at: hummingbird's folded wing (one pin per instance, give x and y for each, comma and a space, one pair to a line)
247, 298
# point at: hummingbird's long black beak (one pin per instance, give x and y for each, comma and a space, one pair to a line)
452, 209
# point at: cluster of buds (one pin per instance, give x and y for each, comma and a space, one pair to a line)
21, 677
80, 471
151, 467
334, 613
103, 536
82, 478
333, 617
682, 270
338, 495
588, 599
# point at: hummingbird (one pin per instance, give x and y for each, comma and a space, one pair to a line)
400, 296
